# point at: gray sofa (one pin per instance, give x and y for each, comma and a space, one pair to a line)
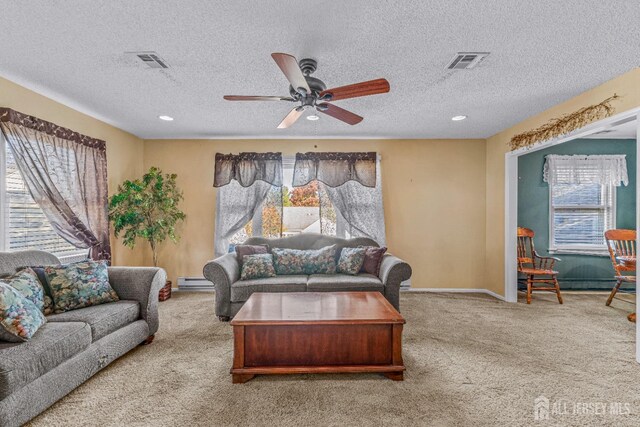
73, 346
231, 292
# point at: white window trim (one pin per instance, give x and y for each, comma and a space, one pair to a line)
593, 250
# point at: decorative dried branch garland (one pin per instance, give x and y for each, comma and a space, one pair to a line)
564, 124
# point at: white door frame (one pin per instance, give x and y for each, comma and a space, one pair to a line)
511, 198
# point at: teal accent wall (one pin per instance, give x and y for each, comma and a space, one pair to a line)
575, 271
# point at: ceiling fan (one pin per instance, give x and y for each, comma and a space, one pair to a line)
312, 93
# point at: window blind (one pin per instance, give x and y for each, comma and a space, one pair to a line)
582, 192
26, 225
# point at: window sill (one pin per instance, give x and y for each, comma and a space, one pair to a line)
587, 252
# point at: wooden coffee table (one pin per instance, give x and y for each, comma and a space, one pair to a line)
317, 332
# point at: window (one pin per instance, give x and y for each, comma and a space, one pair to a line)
580, 214
22, 222
304, 210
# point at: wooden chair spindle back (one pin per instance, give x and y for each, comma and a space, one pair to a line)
621, 243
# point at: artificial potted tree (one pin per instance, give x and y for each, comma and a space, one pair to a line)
147, 208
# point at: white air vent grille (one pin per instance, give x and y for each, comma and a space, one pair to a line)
466, 60
151, 59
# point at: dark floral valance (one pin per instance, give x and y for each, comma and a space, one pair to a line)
8, 115
334, 169
247, 168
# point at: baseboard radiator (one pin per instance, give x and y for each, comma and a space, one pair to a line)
194, 284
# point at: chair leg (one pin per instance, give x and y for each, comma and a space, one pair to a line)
557, 285
613, 292
529, 283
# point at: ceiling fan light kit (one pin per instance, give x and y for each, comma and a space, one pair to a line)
311, 92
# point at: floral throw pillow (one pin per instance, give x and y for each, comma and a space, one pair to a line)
26, 282
351, 260
244, 250
295, 261
258, 266
79, 285
19, 317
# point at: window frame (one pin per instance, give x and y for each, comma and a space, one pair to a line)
288, 163
78, 255
582, 249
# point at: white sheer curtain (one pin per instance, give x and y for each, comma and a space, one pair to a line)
360, 207
235, 207
580, 169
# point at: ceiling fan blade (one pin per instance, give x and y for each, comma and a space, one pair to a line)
256, 98
289, 66
371, 87
291, 118
339, 113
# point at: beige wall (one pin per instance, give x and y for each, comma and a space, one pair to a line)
444, 199
627, 86
124, 151
434, 200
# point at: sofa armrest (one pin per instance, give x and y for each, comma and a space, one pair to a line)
393, 271
223, 272
140, 284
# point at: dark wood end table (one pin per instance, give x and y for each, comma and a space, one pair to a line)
317, 332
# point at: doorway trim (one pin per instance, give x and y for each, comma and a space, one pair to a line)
511, 198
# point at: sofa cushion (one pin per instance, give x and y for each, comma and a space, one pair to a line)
103, 319
350, 261
19, 317
27, 283
373, 260
245, 250
258, 266
53, 344
242, 289
296, 262
343, 282
79, 285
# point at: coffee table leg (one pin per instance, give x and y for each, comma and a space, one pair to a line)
241, 378
396, 376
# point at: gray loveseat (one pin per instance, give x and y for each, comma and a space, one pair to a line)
73, 346
231, 292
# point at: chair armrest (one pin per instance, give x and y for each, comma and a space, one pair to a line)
223, 272
140, 284
393, 271
546, 262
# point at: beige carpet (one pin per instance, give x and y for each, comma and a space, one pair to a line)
471, 360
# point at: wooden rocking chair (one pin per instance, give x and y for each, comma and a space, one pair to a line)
538, 269
622, 250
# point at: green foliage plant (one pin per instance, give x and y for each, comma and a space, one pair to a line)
147, 208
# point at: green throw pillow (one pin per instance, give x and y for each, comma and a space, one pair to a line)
351, 260
19, 317
258, 266
295, 261
79, 285
27, 283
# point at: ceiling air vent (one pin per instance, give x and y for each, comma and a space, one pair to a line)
466, 60
151, 59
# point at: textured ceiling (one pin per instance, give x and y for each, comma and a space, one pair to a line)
542, 53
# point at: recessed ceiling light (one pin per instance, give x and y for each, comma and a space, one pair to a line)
313, 117
166, 118
458, 118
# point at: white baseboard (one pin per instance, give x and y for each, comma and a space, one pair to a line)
456, 290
